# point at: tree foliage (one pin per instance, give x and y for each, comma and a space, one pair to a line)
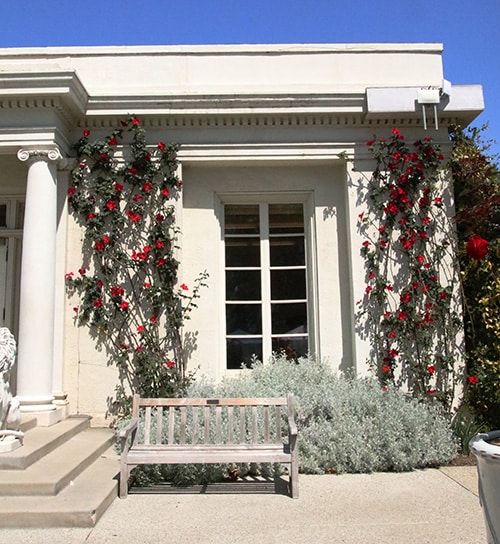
476, 179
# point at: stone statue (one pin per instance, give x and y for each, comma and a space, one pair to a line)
10, 415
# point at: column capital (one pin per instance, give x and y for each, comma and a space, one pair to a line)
47, 155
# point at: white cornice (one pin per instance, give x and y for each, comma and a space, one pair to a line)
58, 90
235, 49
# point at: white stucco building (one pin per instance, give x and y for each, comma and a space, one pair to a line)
269, 133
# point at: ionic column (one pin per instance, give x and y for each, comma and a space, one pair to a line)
36, 311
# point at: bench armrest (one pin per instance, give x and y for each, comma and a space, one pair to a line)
129, 431
125, 432
292, 427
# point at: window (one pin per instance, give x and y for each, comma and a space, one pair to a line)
11, 220
266, 282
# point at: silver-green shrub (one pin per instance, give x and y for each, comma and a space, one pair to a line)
347, 424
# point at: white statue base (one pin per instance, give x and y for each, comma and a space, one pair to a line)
10, 443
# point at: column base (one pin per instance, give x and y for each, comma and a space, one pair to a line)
61, 402
47, 419
43, 408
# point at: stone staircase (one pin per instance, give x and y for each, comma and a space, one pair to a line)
65, 475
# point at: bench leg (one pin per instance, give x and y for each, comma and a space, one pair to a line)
294, 479
123, 489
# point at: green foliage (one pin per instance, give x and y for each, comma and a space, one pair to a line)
477, 200
408, 307
123, 196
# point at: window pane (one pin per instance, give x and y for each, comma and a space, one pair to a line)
286, 218
243, 319
244, 252
243, 350
289, 318
243, 285
288, 284
20, 215
292, 348
287, 251
3, 215
241, 219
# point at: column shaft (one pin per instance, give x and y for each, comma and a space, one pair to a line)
36, 312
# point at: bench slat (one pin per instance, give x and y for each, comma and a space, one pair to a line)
207, 424
195, 424
277, 415
171, 424
159, 424
255, 438
242, 423
230, 424
147, 426
182, 437
218, 424
266, 424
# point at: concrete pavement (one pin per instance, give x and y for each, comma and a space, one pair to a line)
425, 506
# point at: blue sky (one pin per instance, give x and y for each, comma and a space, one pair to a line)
469, 29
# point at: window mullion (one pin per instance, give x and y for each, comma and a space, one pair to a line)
266, 282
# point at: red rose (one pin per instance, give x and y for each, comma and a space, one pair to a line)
98, 303
184, 287
431, 369
147, 186
136, 121
111, 205
169, 364
117, 291
118, 187
86, 133
124, 305
165, 192
112, 141
473, 380
161, 146
477, 247
71, 191
386, 368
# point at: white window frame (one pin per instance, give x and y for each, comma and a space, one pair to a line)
306, 198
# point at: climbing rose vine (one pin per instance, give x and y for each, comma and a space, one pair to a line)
408, 306
123, 194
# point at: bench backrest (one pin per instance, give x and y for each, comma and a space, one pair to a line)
212, 421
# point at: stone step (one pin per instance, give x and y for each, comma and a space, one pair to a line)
53, 472
79, 504
40, 441
27, 422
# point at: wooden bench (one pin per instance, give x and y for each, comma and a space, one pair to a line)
219, 430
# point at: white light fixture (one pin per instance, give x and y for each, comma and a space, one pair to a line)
429, 97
